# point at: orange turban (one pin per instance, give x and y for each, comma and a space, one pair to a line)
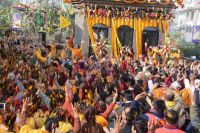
101, 121
186, 97
158, 93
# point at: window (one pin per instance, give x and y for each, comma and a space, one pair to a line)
125, 34
100, 32
151, 36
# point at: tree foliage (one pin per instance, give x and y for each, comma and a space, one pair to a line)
188, 48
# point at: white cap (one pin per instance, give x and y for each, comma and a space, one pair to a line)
176, 85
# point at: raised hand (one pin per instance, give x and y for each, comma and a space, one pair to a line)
26, 101
75, 108
115, 96
118, 124
152, 126
141, 95
54, 130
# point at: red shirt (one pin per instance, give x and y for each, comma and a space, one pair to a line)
122, 86
168, 129
76, 67
124, 65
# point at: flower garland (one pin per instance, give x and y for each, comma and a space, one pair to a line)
152, 1
128, 13
130, 1
165, 2
138, 1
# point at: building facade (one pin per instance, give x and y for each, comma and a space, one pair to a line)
150, 29
186, 18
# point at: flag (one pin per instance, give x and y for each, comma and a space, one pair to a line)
64, 22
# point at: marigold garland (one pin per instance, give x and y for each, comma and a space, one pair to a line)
138, 1
129, 1
152, 2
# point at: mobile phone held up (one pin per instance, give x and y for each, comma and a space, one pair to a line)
2, 105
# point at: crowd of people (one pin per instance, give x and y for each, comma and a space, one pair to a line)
49, 91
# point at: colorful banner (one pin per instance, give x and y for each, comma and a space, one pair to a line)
64, 22
196, 34
39, 20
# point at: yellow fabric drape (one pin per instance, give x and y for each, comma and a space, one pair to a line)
139, 37
91, 21
91, 33
160, 24
137, 24
38, 54
99, 20
154, 23
145, 23
63, 54
116, 44
116, 23
136, 37
165, 26
113, 43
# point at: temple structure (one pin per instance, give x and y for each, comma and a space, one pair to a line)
124, 23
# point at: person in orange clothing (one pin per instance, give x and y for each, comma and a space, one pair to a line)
186, 97
76, 52
171, 117
158, 93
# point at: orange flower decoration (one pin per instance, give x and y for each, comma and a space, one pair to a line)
67, 1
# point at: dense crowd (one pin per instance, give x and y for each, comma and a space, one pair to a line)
50, 91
